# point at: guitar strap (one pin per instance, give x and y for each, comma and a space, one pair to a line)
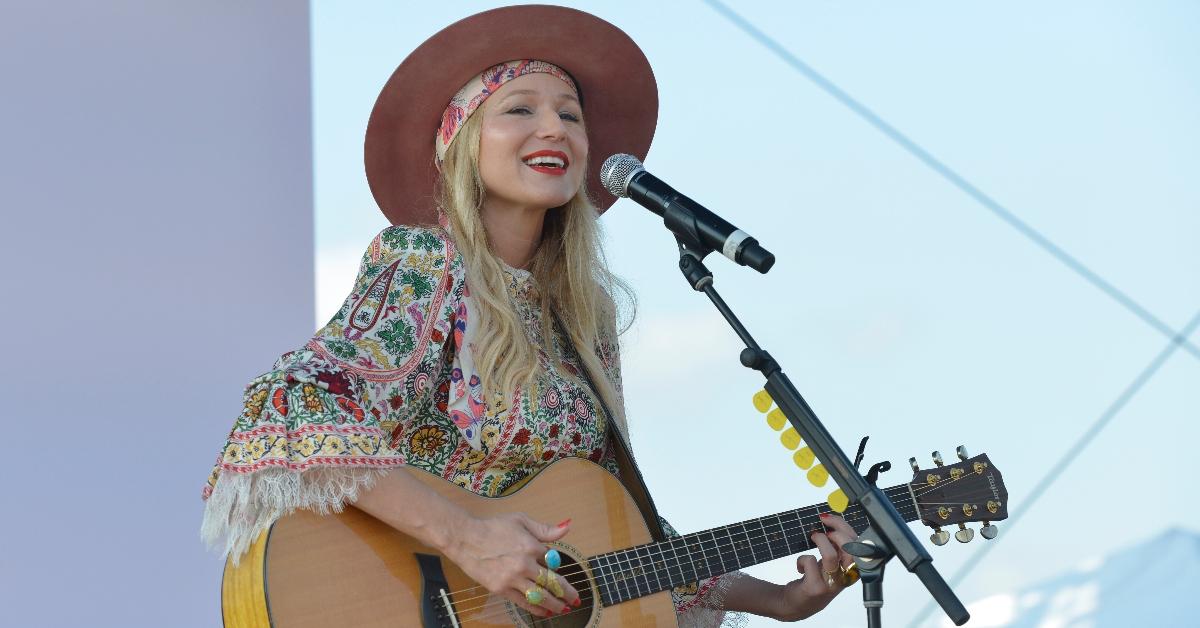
631, 477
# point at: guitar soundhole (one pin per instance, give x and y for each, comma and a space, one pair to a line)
576, 617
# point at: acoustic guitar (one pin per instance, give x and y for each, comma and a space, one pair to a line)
350, 569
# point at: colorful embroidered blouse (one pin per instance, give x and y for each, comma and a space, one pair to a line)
390, 381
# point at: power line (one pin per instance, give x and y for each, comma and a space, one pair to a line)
1067, 458
950, 175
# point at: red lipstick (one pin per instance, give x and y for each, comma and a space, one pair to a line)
551, 170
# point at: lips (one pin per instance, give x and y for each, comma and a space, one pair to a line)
552, 162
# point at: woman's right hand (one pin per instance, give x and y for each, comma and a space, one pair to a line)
505, 553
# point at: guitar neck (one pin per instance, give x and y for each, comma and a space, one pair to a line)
639, 571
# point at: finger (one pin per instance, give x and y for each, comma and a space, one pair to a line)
549, 601
829, 554
546, 532
518, 599
834, 523
562, 590
813, 581
840, 533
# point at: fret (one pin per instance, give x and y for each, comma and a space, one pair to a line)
646, 569
746, 545
601, 576
792, 527
621, 577
678, 544
674, 560
642, 568
777, 537
712, 553
657, 563
695, 549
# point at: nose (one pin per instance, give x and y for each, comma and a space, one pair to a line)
551, 126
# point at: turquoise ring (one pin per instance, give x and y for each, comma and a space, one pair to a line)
553, 560
534, 595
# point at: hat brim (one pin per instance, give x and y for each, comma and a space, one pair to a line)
619, 93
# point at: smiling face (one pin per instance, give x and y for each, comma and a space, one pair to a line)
532, 144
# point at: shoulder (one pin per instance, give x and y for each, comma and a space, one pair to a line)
398, 242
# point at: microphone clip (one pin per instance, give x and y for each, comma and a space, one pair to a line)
691, 264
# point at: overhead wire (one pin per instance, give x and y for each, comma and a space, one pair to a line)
951, 175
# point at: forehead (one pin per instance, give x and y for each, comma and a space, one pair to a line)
538, 84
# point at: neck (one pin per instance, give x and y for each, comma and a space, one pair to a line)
513, 232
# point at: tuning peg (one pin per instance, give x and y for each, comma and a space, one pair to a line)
964, 534
912, 462
940, 536
937, 458
962, 453
988, 531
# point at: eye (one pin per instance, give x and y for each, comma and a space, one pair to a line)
520, 109
567, 115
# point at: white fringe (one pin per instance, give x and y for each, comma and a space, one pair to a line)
709, 611
242, 505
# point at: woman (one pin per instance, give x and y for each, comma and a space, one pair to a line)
465, 346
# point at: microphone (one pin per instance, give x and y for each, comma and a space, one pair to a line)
624, 176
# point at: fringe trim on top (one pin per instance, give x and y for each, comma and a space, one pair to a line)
243, 505
709, 611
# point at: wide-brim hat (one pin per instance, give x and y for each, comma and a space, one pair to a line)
617, 87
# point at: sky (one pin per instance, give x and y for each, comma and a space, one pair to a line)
921, 196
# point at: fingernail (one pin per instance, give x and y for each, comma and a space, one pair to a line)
825, 515
576, 603
564, 522
565, 610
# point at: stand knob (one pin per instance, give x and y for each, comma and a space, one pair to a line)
962, 453
940, 537
964, 534
937, 458
988, 531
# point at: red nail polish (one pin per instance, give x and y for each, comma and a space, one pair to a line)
576, 603
825, 515
564, 522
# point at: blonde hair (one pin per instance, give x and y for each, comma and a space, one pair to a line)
569, 269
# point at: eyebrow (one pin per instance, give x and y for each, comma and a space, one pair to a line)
530, 92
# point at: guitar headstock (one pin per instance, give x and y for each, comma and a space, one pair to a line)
971, 489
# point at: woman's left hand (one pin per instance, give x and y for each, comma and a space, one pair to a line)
822, 579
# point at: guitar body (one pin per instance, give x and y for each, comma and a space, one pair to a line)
349, 569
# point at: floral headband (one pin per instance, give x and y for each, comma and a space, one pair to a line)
477, 90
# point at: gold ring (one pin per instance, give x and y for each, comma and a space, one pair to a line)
828, 579
850, 574
534, 596
554, 584
542, 578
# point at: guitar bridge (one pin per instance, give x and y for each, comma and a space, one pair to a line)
437, 609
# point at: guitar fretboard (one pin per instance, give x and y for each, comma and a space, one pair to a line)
639, 571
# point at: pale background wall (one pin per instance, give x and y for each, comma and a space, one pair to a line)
156, 246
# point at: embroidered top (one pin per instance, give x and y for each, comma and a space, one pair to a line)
390, 381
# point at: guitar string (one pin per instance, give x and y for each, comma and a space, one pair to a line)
689, 554
628, 559
901, 491
901, 496
679, 556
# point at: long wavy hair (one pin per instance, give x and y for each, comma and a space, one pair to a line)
569, 268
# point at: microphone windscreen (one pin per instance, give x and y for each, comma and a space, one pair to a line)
617, 171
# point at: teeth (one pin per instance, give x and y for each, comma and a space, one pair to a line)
546, 161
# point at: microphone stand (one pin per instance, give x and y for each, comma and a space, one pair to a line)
888, 535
